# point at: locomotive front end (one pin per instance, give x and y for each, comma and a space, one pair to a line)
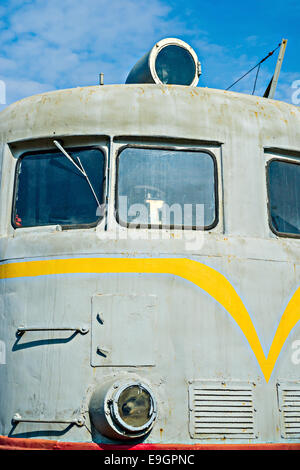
149, 265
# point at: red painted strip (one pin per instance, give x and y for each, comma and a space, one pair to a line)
11, 443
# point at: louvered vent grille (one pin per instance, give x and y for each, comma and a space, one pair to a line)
221, 410
289, 406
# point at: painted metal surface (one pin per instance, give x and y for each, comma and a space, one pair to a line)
226, 303
117, 320
289, 407
222, 410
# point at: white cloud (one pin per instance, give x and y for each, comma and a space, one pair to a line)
252, 40
69, 43
47, 45
17, 89
284, 89
222, 66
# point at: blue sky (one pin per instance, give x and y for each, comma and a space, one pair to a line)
48, 45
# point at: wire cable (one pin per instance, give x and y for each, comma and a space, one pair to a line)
254, 86
257, 65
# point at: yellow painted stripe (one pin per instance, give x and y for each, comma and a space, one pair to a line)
207, 278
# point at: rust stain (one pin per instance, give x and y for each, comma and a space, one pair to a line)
193, 92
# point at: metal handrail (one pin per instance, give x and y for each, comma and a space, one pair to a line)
79, 420
80, 329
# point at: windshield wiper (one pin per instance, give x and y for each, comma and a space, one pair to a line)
78, 166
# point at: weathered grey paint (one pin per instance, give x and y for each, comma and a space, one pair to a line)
49, 375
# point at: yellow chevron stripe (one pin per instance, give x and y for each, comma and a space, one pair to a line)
208, 279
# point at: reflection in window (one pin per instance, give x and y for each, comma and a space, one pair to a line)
166, 188
284, 196
50, 190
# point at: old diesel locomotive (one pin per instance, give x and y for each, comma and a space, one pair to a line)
150, 264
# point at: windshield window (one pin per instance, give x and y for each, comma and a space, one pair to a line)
166, 188
284, 196
50, 189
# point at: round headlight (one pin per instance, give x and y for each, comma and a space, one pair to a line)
134, 407
174, 64
170, 61
123, 409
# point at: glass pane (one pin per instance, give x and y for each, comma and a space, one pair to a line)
175, 65
134, 406
284, 196
50, 190
166, 188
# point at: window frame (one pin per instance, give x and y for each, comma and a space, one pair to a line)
273, 229
164, 227
49, 151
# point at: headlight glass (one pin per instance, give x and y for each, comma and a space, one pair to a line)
134, 407
175, 65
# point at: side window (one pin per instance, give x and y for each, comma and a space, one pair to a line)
284, 197
50, 190
166, 188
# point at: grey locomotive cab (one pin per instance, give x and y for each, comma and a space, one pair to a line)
150, 264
